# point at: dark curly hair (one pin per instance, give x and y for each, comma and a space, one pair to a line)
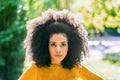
77, 43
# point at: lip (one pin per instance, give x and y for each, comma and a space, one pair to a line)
58, 55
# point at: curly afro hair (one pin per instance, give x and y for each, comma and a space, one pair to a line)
53, 22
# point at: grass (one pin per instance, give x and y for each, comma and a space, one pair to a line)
105, 69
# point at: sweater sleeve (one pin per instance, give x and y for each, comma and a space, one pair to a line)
30, 73
86, 74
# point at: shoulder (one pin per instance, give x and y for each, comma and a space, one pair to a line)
33, 65
86, 73
32, 68
29, 73
81, 67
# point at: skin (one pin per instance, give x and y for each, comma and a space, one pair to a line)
58, 47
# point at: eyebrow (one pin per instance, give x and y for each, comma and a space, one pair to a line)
55, 42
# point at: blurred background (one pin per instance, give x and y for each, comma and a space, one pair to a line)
101, 18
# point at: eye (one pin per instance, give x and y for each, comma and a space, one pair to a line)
53, 44
63, 44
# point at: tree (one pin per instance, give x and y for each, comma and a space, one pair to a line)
100, 13
12, 31
36, 7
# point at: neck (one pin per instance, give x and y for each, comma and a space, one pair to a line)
56, 62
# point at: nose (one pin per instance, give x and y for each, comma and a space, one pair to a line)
58, 49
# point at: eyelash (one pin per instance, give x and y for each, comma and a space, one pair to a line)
54, 45
63, 44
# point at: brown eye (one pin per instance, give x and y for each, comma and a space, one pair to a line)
63, 44
53, 44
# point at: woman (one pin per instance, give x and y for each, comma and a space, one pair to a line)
57, 43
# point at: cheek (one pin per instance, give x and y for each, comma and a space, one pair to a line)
51, 50
65, 50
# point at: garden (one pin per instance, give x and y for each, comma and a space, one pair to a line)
101, 18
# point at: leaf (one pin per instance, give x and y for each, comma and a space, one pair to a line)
2, 61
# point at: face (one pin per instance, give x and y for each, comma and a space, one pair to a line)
58, 47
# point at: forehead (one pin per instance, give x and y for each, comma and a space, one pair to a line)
58, 37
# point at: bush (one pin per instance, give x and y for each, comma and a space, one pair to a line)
12, 33
113, 58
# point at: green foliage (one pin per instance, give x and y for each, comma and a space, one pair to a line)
100, 13
112, 31
36, 7
12, 33
113, 58
9, 6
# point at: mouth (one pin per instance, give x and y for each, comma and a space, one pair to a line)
58, 55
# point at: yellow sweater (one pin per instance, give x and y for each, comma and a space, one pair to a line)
56, 72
